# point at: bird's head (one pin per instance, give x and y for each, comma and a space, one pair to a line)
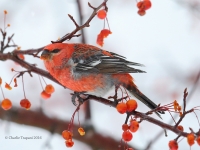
56, 51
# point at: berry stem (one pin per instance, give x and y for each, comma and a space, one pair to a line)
172, 117
2, 92
4, 22
44, 80
79, 120
127, 117
40, 82
104, 23
23, 86
72, 119
15, 76
196, 117
107, 23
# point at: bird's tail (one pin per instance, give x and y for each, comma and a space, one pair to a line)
140, 96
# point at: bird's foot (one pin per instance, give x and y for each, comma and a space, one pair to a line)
78, 98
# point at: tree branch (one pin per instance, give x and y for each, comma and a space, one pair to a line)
38, 119
78, 28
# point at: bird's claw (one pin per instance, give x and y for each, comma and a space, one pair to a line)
76, 97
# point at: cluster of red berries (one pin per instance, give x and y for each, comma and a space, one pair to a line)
6, 104
143, 5
133, 126
177, 107
191, 139
173, 145
101, 14
46, 93
129, 129
129, 106
67, 135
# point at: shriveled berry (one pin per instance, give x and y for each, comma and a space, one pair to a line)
105, 33
180, 127
141, 12
6, 104
81, 131
7, 86
25, 103
69, 143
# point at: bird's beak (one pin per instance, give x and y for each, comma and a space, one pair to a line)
45, 55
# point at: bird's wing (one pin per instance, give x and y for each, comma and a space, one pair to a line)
101, 61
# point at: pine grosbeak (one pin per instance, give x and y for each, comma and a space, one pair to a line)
86, 68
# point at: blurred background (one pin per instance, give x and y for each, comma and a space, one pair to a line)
165, 40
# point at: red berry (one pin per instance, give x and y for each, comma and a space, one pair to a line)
131, 105
105, 33
121, 108
144, 5
0, 81
49, 89
173, 145
67, 135
198, 140
101, 14
21, 56
25, 103
140, 5
147, 4
69, 143
125, 127
190, 139
134, 126
45, 95
141, 12
127, 136
6, 104
180, 127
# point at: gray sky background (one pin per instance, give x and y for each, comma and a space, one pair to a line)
165, 40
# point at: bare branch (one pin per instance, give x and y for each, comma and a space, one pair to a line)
78, 28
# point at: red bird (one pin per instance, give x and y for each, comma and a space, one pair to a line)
89, 69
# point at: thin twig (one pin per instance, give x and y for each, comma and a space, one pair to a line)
78, 28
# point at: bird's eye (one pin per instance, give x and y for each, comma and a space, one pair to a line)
55, 51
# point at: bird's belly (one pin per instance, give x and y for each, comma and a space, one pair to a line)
97, 84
